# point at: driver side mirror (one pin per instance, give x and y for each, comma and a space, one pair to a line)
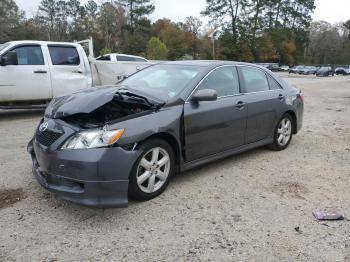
9, 59
205, 95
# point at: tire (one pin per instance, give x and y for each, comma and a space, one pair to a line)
281, 130
147, 179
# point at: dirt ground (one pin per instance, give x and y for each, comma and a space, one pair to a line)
256, 206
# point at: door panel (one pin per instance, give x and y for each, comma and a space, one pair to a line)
262, 103
213, 127
261, 115
68, 71
29, 80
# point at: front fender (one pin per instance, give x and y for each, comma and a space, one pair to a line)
166, 120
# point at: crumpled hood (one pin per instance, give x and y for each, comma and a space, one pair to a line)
81, 102
85, 102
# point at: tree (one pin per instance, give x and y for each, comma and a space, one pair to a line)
10, 19
111, 21
156, 49
136, 11
191, 30
219, 10
173, 37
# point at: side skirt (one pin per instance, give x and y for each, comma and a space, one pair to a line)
224, 154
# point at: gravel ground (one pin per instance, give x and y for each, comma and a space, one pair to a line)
253, 207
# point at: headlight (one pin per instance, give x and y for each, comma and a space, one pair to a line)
93, 139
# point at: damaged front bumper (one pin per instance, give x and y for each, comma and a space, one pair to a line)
92, 177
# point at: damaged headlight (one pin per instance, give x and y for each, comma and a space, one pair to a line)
93, 139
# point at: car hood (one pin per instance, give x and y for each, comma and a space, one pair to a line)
87, 101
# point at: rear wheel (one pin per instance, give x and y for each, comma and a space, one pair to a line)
152, 171
283, 133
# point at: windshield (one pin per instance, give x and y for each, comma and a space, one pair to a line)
163, 81
2, 46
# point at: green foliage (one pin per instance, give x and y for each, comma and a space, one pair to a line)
137, 11
105, 51
329, 44
173, 37
245, 30
249, 26
10, 17
156, 49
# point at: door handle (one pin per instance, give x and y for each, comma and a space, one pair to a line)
281, 97
240, 105
77, 72
40, 72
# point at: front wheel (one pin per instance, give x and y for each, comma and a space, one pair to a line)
283, 133
152, 171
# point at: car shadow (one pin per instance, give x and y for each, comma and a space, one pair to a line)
211, 167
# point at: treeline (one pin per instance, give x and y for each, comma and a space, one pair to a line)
278, 31
329, 44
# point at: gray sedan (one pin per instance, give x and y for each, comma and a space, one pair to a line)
98, 147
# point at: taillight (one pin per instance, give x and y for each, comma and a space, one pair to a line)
301, 94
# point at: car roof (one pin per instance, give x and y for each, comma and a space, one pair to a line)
208, 63
41, 42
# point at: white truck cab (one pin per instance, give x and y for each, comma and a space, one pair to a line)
32, 72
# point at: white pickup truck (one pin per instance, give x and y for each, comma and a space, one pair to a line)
33, 72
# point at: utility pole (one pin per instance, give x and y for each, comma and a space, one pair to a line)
213, 47
213, 31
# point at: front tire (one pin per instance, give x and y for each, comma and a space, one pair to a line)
152, 171
283, 133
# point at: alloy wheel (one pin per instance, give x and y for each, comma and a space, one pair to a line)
153, 170
284, 132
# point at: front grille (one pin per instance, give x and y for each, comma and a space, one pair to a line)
47, 138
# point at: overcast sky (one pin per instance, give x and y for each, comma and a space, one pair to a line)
177, 10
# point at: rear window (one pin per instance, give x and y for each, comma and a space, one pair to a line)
140, 59
123, 58
104, 58
64, 55
255, 79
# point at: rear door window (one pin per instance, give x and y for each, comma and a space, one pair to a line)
255, 79
29, 55
64, 55
123, 58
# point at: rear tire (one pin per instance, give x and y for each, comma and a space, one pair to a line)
152, 171
283, 133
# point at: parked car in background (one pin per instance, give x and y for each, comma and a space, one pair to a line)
274, 68
100, 146
342, 70
284, 68
308, 70
296, 69
121, 58
325, 71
